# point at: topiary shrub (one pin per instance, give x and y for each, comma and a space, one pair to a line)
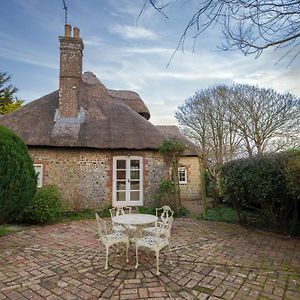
17, 176
267, 185
46, 206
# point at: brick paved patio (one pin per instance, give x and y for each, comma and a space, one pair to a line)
210, 261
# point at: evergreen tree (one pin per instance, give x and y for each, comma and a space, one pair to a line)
8, 102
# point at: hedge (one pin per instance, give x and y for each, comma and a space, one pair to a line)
17, 176
269, 185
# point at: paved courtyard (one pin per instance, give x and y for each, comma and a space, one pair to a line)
210, 261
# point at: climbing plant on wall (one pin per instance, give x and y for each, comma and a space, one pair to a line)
172, 150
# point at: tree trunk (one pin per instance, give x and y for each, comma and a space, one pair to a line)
202, 185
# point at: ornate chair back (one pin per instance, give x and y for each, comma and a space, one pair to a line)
101, 225
166, 214
119, 210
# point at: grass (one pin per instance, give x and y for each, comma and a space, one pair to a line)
12, 228
86, 214
221, 213
4, 230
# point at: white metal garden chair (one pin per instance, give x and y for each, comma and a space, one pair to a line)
166, 217
120, 210
110, 239
155, 243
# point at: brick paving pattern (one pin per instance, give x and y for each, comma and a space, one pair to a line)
209, 261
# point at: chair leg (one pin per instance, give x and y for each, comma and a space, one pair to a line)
169, 253
106, 258
127, 246
136, 256
157, 262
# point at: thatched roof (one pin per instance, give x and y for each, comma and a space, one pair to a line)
108, 119
133, 100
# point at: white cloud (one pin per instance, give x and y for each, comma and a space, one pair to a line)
133, 32
29, 57
150, 50
93, 41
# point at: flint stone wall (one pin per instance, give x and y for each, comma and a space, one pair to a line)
84, 176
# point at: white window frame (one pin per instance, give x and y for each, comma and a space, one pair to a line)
182, 169
40, 174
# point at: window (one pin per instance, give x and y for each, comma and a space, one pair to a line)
182, 174
38, 168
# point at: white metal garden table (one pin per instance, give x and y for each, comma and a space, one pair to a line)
138, 220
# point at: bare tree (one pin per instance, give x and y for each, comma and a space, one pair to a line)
229, 122
265, 119
249, 25
206, 120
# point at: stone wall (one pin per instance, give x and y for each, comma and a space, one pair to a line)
84, 176
191, 190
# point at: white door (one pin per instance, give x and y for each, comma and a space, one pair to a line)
127, 181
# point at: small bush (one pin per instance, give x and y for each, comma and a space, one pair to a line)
17, 176
146, 210
165, 194
46, 206
104, 213
183, 212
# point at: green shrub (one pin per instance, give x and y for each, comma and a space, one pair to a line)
165, 194
183, 212
17, 176
104, 213
267, 185
146, 210
46, 206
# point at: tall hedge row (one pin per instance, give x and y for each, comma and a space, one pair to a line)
268, 185
17, 176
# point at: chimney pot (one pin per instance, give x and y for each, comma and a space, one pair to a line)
76, 32
68, 29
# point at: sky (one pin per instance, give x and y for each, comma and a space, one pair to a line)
129, 52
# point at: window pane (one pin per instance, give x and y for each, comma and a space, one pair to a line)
120, 196
121, 164
134, 174
134, 196
39, 171
121, 174
134, 185
121, 185
134, 164
182, 174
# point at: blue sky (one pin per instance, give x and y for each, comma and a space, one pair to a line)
126, 54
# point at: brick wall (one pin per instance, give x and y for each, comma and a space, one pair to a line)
70, 75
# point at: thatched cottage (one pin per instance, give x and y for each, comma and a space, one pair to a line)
96, 144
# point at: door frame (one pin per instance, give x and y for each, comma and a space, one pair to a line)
127, 201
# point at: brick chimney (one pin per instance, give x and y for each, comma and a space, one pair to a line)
70, 72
